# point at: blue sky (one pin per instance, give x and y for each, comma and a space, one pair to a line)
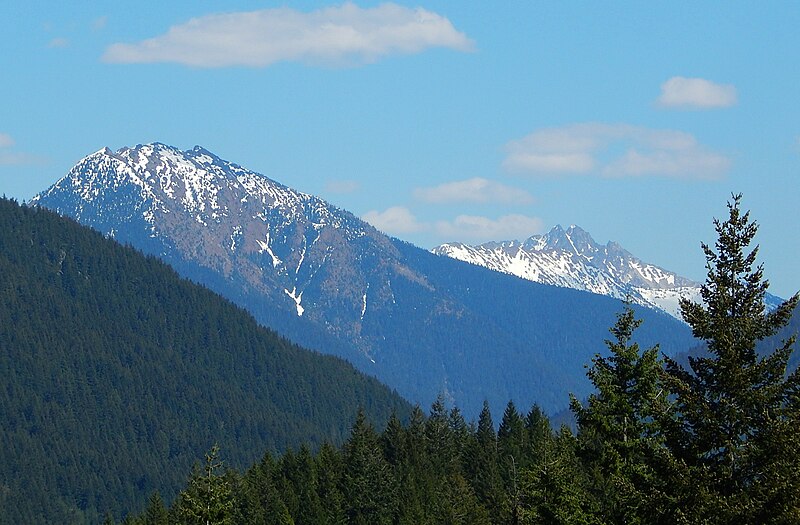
437, 121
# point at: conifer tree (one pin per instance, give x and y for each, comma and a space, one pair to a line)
736, 409
461, 432
305, 487
511, 445
458, 504
368, 484
393, 441
482, 464
539, 432
287, 482
156, 513
554, 487
439, 440
208, 499
329, 472
406, 451
618, 433
260, 500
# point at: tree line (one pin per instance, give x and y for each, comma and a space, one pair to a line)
715, 441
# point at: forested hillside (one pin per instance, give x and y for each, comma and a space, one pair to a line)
115, 374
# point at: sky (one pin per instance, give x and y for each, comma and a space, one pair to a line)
437, 121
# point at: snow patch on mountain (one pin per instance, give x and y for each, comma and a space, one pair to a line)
297, 298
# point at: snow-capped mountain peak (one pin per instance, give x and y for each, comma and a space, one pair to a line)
245, 221
169, 180
572, 258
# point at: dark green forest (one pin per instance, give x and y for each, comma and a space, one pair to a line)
115, 375
712, 442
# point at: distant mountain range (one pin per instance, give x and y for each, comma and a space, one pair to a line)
572, 259
423, 324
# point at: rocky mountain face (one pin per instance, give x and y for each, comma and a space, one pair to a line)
217, 220
423, 324
571, 258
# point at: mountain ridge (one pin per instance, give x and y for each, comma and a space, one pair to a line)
331, 282
571, 258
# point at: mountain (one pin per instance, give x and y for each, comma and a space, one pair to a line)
116, 375
423, 324
571, 258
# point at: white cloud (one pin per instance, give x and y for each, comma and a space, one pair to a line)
395, 220
697, 93
534, 161
473, 228
399, 220
343, 35
58, 43
342, 186
6, 141
476, 190
702, 164
613, 150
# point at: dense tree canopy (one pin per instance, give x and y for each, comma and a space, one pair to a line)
423, 472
